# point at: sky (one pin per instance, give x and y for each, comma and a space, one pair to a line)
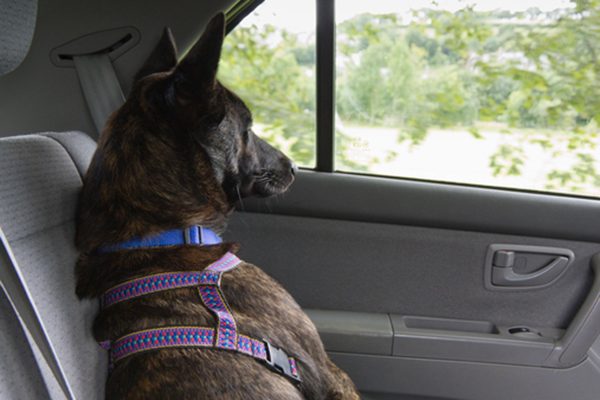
299, 15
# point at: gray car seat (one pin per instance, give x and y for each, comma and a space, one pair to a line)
17, 25
41, 178
19, 375
46, 348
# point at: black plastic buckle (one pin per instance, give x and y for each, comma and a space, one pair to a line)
279, 361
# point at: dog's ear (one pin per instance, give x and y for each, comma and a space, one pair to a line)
197, 72
162, 58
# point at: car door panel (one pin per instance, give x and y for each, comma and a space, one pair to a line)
380, 268
399, 378
405, 297
428, 204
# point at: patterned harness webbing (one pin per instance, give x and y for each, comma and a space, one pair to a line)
225, 336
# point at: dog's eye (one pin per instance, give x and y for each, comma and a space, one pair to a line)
246, 135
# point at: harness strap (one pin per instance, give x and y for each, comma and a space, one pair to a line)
133, 288
214, 300
200, 337
149, 284
225, 336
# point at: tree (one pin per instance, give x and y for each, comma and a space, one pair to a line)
535, 72
532, 69
270, 70
274, 73
554, 82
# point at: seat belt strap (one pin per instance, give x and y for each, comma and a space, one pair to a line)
101, 88
11, 281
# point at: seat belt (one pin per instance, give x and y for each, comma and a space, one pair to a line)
101, 88
12, 283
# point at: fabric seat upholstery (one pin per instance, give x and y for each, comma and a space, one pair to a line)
41, 178
19, 374
17, 25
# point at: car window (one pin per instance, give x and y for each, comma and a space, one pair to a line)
269, 60
492, 93
499, 93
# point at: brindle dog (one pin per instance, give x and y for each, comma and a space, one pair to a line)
180, 152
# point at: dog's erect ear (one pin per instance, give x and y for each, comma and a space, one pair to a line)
162, 58
198, 69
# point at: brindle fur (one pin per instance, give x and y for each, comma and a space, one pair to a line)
180, 152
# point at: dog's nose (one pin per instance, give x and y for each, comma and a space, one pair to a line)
294, 168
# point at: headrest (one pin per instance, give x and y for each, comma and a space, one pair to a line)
17, 24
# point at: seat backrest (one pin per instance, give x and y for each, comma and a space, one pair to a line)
40, 181
17, 25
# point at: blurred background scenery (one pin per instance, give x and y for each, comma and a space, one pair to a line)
494, 93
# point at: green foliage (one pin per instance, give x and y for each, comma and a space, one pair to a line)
402, 77
276, 84
535, 70
380, 87
454, 69
582, 174
507, 160
555, 84
460, 34
273, 71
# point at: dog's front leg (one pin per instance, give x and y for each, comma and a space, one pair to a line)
340, 386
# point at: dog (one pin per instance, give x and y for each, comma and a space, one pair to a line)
180, 152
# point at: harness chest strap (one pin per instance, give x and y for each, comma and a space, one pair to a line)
225, 336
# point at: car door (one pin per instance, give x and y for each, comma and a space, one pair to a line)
399, 278
422, 285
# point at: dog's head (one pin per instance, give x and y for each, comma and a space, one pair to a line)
180, 151
188, 95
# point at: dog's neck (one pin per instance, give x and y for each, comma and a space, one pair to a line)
139, 185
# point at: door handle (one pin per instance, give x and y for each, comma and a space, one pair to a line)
506, 276
500, 272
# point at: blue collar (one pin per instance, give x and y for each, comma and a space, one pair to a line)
195, 234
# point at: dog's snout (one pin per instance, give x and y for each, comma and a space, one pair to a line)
293, 168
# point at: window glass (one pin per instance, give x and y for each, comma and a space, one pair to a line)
269, 61
500, 93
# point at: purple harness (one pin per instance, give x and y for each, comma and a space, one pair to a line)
225, 336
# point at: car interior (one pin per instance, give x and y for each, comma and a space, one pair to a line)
420, 289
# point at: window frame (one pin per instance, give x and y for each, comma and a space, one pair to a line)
325, 74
